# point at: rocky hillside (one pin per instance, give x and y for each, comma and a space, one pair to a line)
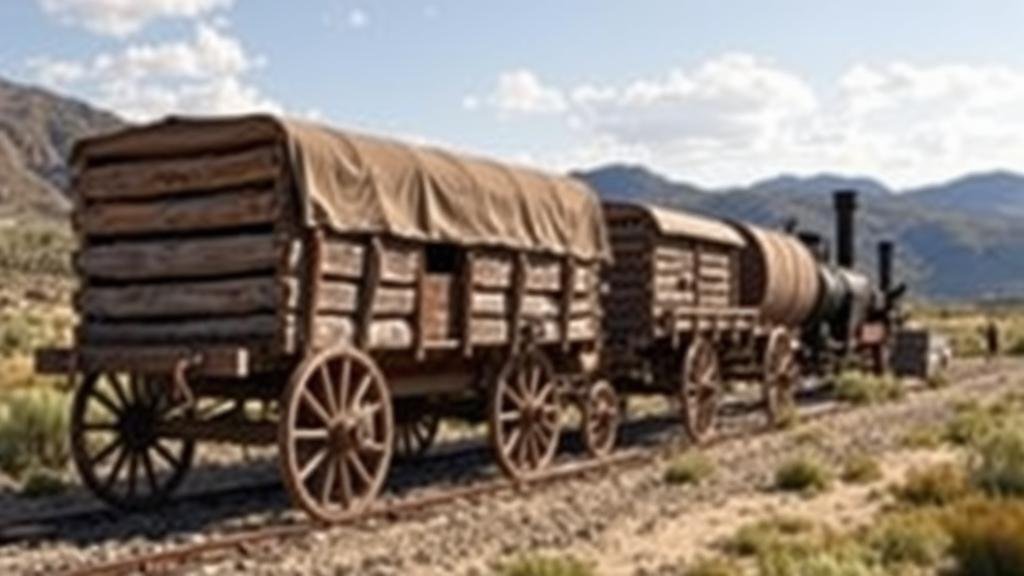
958, 240
37, 131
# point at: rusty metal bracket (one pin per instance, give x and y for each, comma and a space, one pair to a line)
181, 388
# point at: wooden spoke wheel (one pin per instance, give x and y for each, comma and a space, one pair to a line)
415, 435
601, 417
700, 389
781, 375
116, 443
525, 415
335, 434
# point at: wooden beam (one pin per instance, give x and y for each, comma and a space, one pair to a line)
368, 293
180, 258
468, 281
251, 328
219, 297
223, 210
214, 361
152, 178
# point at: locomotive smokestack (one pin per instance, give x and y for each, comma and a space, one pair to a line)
846, 206
885, 249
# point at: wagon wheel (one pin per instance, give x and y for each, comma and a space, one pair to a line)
601, 416
335, 434
781, 374
700, 389
116, 443
414, 436
525, 414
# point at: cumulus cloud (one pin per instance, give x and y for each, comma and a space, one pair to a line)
206, 74
737, 118
125, 17
522, 92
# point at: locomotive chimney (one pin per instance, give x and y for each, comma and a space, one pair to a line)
885, 249
845, 205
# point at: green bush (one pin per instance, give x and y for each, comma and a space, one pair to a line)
803, 474
998, 463
933, 486
863, 389
545, 566
988, 537
689, 468
861, 468
34, 428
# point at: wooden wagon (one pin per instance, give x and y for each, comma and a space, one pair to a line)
695, 305
257, 280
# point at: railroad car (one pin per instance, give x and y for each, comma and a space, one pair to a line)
257, 280
363, 287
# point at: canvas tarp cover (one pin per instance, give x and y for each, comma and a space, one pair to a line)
357, 183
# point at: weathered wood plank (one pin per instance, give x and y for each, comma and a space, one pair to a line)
492, 270
193, 213
216, 361
221, 297
390, 334
150, 178
343, 258
400, 262
182, 258
251, 328
341, 297
543, 274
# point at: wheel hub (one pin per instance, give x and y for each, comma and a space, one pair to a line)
137, 428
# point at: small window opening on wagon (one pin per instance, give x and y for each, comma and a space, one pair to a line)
443, 258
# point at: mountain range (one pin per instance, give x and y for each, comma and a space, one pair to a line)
956, 240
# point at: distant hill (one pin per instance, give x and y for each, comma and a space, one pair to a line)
989, 194
37, 130
956, 241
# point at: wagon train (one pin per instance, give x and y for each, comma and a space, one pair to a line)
258, 280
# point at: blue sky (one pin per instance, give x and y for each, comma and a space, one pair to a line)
719, 93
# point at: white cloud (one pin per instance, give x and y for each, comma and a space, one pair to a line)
125, 17
204, 75
357, 19
522, 92
736, 118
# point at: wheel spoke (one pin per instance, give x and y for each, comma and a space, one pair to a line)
105, 453
133, 473
172, 461
115, 471
310, 434
313, 463
147, 463
361, 390
311, 401
511, 443
516, 398
328, 386
107, 402
99, 426
327, 486
510, 416
346, 482
346, 381
360, 468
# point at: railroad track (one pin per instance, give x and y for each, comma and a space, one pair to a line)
250, 541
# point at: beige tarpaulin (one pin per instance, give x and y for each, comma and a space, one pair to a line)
356, 183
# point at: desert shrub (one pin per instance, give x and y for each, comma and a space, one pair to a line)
36, 250
689, 468
917, 538
803, 474
861, 468
713, 567
863, 389
545, 566
847, 561
924, 436
936, 485
988, 537
42, 482
997, 465
760, 537
937, 380
34, 428
970, 425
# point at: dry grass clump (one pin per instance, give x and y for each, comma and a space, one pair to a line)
861, 468
916, 538
936, 485
997, 465
988, 537
863, 389
34, 428
923, 437
689, 468
713, 567
803, 474
536, 565
970, 424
